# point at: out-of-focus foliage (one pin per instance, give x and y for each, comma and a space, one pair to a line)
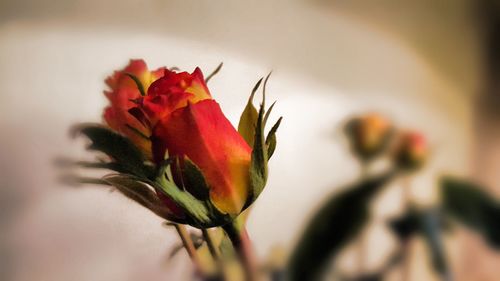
428, 223
471, 205
334, 225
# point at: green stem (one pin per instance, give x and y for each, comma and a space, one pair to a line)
189, 246
243, 246
210, 243
361, 249
406, 245
213, 251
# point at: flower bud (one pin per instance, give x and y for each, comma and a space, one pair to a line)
411, 151
203, 169
122, 93
369, 135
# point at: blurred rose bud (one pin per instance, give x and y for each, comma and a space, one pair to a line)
122, 92
369, 135
411, 150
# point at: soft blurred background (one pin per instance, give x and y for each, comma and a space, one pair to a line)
428, 65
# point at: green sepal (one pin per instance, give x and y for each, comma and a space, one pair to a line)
271, 138
201, 213
116, 146
68, 163
258, 163
194, 181
138, 82
333, 226
138, 191
216, 70
470, 204
263, 147
268, 113
248, 119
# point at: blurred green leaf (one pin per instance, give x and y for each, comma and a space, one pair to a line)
429, 224
335, 224
406, 226
68, 163
116, 146
473, 206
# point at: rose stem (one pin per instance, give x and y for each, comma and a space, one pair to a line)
243, 246
213, 250
361, 242
406, 245
189, 246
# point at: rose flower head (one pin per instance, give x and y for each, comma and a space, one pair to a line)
122, 93
173, 139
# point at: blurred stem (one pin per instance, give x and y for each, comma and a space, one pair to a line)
243, 246
406, 244
189, 246
213, 251
361, 249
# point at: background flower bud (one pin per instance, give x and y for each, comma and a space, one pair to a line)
411, 150
368, 134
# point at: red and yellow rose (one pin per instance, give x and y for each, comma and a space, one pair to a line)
178, 118
121, 94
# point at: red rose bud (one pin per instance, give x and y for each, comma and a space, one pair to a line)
190, 126
369, 135
411, 150
173, 91
204, 167
123, 90
201, 133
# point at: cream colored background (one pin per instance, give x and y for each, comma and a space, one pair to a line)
329, 61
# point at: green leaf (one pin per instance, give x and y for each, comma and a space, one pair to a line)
332, 227
248, 119
473, 206
138, 191
137, 82
194, 181
116, 146
271, 139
